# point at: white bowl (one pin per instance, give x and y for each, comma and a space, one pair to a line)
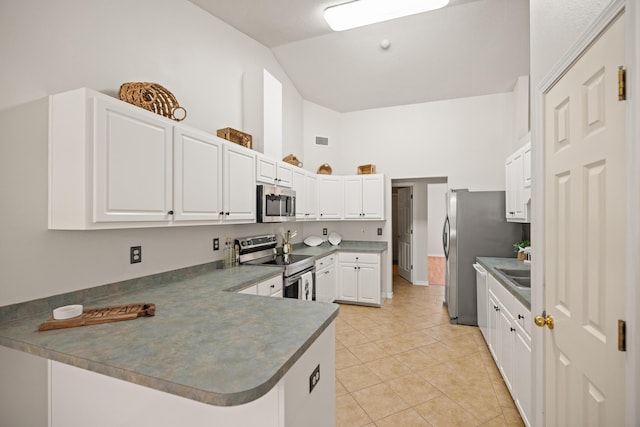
67, 312
335, 238
313, 241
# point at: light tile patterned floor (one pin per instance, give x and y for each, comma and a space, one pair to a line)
404, 365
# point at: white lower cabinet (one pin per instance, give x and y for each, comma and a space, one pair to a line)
326, 278
358, 278
114, 402
509, 342
269, 288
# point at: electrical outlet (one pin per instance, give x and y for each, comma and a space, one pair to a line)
379, 231
324, 231
135, 254
216, 244
314, 378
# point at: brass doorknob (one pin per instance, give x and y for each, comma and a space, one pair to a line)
542, 321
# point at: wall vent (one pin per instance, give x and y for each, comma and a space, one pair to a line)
322, 140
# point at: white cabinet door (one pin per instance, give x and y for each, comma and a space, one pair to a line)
364, 197
311, 190
299, 181
197, 167
284, 175
369, 283
373, 196
326, 284
522, 373
266, 170
493, 320
133, 164
347, 282
518, 184
506, 330
239, 184
330, 191
353, 197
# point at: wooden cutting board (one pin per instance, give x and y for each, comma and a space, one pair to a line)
94, 316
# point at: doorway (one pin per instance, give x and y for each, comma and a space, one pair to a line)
418, 212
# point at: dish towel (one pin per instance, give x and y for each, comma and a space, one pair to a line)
307, 286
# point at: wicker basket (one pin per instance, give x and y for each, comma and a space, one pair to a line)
236, 137
292, 160
153, 97
366, 169
325, 169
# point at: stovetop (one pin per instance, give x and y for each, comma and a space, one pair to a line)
261, 250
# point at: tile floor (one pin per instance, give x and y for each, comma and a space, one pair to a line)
405, 365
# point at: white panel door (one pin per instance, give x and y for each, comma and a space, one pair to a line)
197, 176
353, 197
133, 160
240, 184
373, 196
584, 172
405, 224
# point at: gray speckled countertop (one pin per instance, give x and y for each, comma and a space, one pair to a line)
345, 246
491, 264
220, 348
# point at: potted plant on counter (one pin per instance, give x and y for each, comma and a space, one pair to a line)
519, 249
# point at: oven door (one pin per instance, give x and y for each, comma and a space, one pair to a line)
301, 285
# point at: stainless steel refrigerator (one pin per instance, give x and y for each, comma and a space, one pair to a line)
475, 226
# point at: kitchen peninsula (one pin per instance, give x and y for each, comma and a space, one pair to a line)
208, 356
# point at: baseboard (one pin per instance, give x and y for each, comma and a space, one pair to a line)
421, 283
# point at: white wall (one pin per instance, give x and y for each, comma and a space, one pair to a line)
555, 26
463, 139
320, 121
50, 47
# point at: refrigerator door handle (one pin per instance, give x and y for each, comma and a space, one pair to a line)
445, 237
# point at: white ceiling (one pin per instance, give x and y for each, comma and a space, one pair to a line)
469, 48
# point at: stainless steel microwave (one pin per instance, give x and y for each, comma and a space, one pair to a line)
275, 204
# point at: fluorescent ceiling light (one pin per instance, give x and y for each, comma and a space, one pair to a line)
364, 12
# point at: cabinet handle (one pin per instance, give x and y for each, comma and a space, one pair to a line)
226, 213
273, 286
496, 308
321, 214
221, 213
170, 212
520, 316
512, 329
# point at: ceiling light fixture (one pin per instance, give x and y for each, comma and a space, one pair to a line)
364, 12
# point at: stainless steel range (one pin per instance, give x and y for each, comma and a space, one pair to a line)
299, 270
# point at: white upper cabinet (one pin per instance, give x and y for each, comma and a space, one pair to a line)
239, 184
518, 185
115, 165
305, 184
133, 169
270, 171
330, 196
197, 166
364, 197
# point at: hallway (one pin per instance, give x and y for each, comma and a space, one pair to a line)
405, 365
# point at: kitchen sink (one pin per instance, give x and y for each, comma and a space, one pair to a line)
519, 277
523, 282
512, 272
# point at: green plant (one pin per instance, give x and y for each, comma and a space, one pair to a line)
521, 244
